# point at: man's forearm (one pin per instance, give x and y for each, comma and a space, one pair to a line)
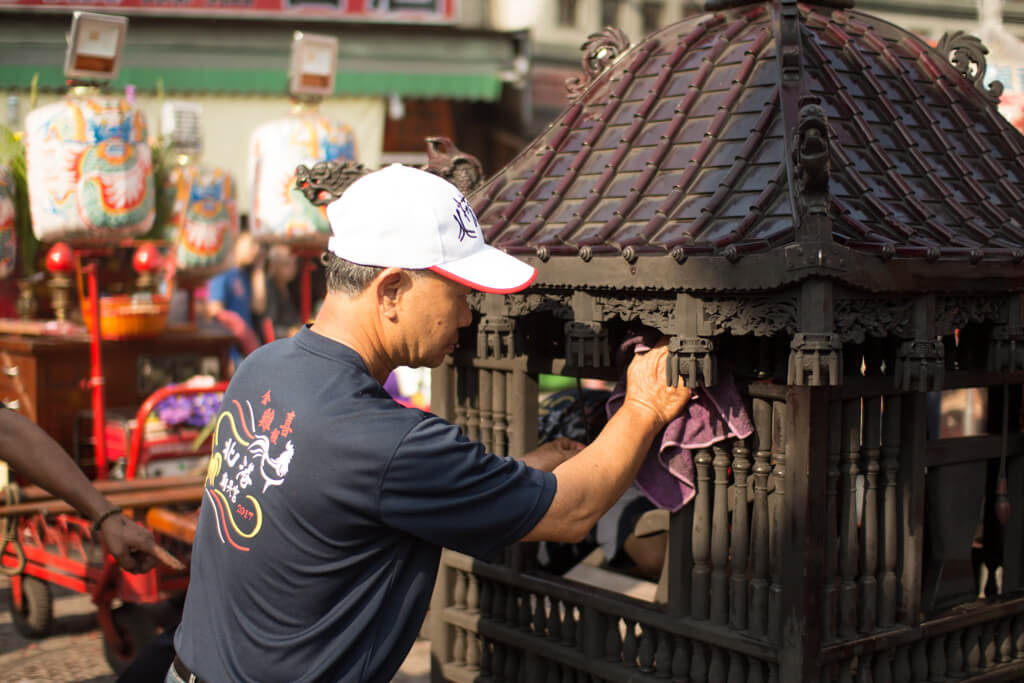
38, 458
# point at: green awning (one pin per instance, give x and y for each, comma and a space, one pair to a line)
261, 81
252, 58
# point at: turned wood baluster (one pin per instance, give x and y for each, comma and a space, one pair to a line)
499, 412
485, 405
919, 662
778, 498
702, 535
461, 397
835, 438
954, 654
848, 519
663, 656
486, 659
472, 401
525, 619
988, 644
881, 670
1018, 636
720, 538
459, 646
512, 664
759, 528
864, 669
554, 626
755, 670
740, 536
680, 659
498, 662
717, 671
846, 671
629, 643
645, 652
869, 525
1004, 641
540, 616
937, 659
613, 640
890, 516
737, 668
698, 664
972, 650
901, 665
472, 651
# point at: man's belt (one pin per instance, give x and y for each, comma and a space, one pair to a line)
184, 672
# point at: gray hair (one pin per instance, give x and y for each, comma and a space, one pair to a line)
351, 278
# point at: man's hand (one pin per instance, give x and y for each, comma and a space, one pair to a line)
133, 546
645, 385
550, 455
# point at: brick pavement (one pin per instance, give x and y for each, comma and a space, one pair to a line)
74, 652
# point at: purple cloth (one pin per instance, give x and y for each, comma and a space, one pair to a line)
711, 415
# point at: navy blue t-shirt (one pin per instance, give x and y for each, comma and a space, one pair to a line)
325, 509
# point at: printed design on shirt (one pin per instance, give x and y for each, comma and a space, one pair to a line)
250, 457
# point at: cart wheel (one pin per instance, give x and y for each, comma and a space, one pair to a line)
35, 618
136, 628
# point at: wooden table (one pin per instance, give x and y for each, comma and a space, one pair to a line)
42, 375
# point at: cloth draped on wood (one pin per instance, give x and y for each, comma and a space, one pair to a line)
713, 414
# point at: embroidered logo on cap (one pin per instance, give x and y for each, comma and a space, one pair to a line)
464, 216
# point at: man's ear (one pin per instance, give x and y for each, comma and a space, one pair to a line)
389, 286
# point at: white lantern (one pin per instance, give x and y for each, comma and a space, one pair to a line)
203, 221
90, 173
279, 212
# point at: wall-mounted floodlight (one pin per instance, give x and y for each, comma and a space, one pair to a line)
94, 46
314, 62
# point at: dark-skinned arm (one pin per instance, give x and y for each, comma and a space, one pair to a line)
34, 455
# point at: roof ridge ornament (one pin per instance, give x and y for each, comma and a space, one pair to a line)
599, 52
967, 55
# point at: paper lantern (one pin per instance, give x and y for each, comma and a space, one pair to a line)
90, 173
280, 213
203, 221
8, 231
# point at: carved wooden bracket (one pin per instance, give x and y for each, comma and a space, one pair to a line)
325, 182
693, 359
599, 52
586, 345
811, 156
967, 55
815, 360
920, 365
495, 337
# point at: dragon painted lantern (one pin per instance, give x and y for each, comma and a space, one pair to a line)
203, 219
90, 171
279, 212
8, 231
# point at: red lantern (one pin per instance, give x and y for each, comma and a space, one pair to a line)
146, 259
60, 259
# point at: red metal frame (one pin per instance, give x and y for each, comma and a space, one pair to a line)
57, 547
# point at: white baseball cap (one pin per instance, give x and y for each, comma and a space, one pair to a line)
403, 217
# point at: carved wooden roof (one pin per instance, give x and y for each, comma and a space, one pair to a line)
757, 145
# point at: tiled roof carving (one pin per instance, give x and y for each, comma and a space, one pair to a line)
683, 148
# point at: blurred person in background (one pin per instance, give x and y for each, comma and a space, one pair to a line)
230, 298
279, 315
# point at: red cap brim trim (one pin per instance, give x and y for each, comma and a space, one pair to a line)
482, 288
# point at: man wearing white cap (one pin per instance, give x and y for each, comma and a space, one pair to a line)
327, 503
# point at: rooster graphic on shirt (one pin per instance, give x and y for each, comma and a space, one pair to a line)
250, 457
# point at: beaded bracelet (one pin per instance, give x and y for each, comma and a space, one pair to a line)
102, 518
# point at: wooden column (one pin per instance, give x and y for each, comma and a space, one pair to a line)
911, 497
848, 551
869, 526
760, 528
802, 548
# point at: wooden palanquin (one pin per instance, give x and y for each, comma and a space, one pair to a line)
833, 208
